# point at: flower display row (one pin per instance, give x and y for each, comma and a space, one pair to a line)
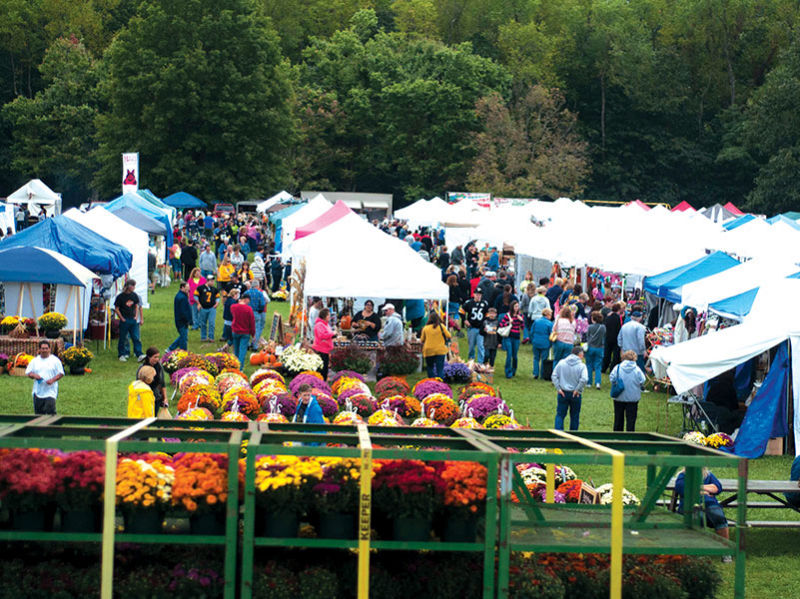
714, 440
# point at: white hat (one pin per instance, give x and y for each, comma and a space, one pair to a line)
388, 306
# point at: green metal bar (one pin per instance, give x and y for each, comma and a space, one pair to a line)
490, 532
691, 495
654, 491
504, 545
741, 527
526, 501
232, 514
249, 518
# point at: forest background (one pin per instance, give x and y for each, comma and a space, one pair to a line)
661, 100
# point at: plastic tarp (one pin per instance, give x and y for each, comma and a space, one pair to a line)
281, 196
669, 284
387, 267
181, 199
683, 206
140, 220
738, 222
785, 220
115, 229
733, 281
339, 210
768, 324
65, 236
767, 414
132, 200
314, 208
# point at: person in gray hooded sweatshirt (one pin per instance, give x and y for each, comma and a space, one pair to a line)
626, 404
569, 378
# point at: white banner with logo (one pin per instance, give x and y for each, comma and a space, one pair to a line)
130, 173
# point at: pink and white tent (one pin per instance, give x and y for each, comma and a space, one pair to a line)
338, 210
684, 206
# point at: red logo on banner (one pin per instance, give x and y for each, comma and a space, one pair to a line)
130, 179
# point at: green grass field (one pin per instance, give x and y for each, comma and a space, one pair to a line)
771, 554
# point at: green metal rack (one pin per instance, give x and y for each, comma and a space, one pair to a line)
525, 525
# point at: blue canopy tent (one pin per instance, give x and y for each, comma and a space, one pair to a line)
136, 201
738, 222
140, 220
67, 237
780, 218
738, 306
791, 215
156, 201
668, 284
278, 218
184, 200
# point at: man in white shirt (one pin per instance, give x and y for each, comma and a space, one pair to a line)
391, 332
45, 370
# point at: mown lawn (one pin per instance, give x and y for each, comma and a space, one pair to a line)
772, 554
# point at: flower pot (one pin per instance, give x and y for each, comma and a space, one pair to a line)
85, 520
32, 520
52, 333
77, 370
279, 524
337, 526
411, 529
210, 523
460, 530
144, 522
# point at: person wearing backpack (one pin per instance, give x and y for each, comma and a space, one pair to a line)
627, 382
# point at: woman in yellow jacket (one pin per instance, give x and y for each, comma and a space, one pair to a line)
141, 401
434, 345
225, 272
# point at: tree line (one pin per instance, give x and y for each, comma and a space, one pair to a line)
660, 100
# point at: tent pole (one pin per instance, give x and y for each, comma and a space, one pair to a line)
19, 301
75, 312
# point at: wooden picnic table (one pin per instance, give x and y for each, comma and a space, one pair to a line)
774, 489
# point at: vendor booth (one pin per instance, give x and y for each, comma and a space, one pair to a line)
140, 220
34, 196
84, 246
315, 207
137, 202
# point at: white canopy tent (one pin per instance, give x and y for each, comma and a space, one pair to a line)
289, 225
281, 196
425, 213
35, 194
736, 280
387, 267
7, 220
695, 361
113, 228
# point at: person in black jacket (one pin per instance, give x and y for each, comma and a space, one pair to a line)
554, 293
613, 323
183, 317
188, 258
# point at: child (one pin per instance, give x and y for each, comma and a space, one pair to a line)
490, 336
141, 401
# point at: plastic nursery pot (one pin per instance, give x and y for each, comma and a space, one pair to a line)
52, 334
337, 526
144, 522
210, 523
279, 524
85, 520
460, 530
33, 521
411, 529
77, 370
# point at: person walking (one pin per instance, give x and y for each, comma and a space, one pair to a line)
195, 280
474, 312
227, 319
564, 329
207, 298
613, 323
152, 359
243, 328
128, 309
258, 302
275, 271
631, 379
490, 336
45, 370
554, 293
226, 272
595, 344
512, 318
631, 337
188, 258
537, 304
141, 399
434, 339
323, 340
540, 341
391, 333
207, 262
183, 317
524, 306
569, 378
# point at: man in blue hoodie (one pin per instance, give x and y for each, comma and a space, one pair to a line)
183, 317
626, 404
308, 409
570, 377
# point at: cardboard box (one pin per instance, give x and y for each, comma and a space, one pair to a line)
775, 446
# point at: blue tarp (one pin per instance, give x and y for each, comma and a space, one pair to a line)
781, 218
181, 199
767, 414
281, 214
668, 284
738, 222
140, 220
67, 237
132, 200
739, 305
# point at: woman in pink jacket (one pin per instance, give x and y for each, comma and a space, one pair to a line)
323, 340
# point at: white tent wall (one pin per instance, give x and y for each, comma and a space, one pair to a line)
7, 218
24, 299
315, 207
113, 228
282, 196
74, 302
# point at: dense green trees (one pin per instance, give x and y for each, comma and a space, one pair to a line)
654, 99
